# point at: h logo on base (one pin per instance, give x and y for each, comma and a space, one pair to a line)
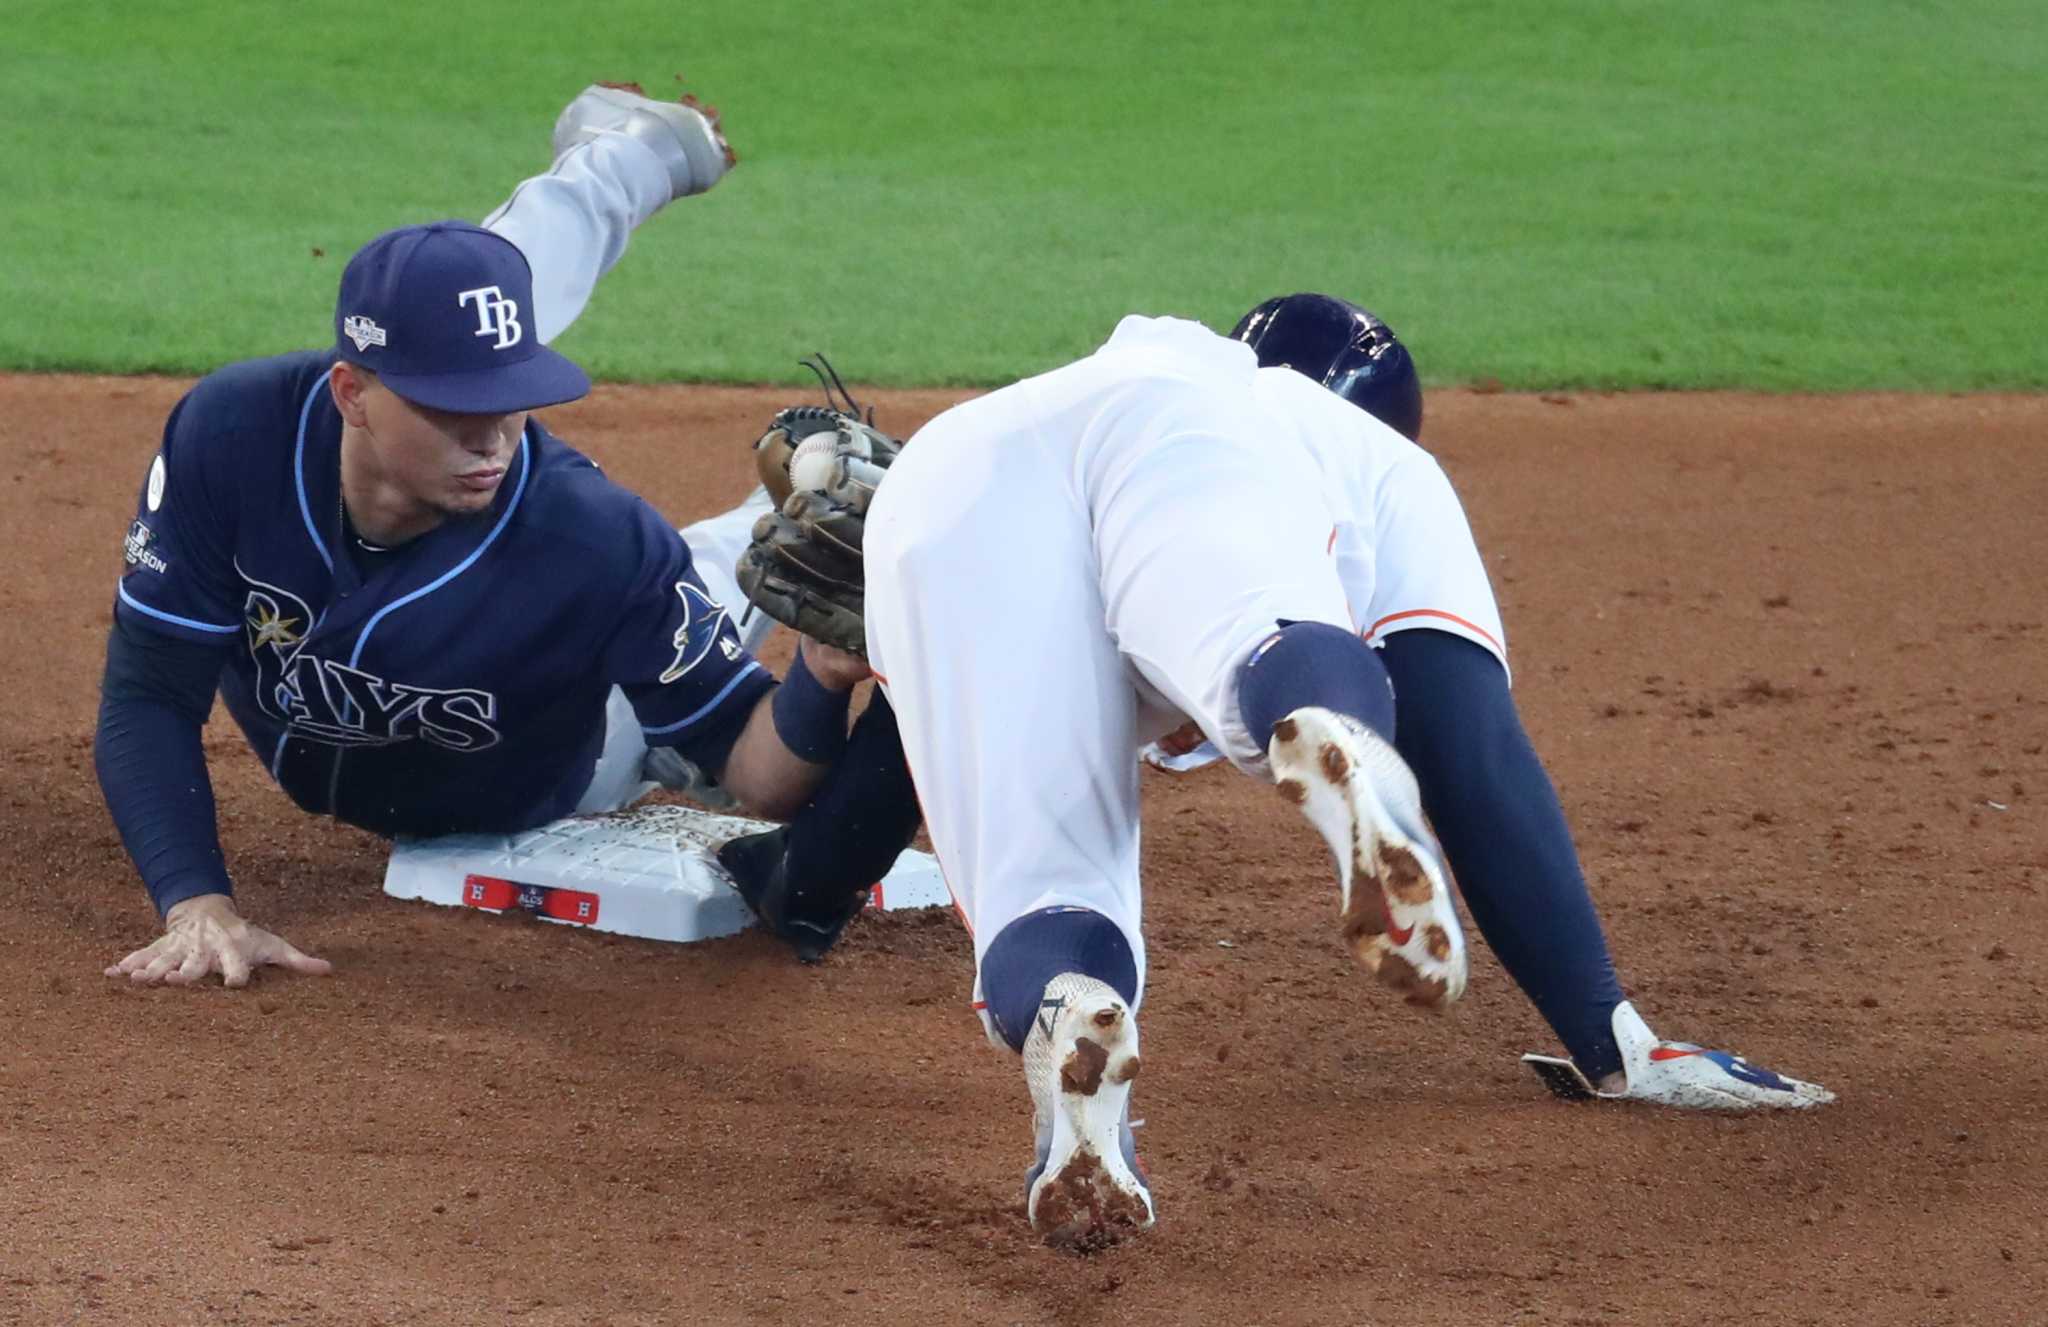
495, 315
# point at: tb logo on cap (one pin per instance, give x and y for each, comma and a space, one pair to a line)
495, 315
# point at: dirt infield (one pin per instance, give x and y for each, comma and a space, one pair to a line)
1786, 658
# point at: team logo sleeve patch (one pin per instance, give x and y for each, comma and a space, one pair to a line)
680, 659
705, 626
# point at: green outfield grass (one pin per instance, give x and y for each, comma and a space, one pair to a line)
1834, 194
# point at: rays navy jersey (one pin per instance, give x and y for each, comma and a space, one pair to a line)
459, 683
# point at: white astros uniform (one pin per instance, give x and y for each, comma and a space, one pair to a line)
1061, 570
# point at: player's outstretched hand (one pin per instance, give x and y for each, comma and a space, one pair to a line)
835, 669
1677, 1073
204, 935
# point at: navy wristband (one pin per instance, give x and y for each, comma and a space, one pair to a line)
810, 720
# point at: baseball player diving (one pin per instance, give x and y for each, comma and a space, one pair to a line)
426, 612
1242, 533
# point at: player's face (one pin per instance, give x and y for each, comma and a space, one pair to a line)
449, 463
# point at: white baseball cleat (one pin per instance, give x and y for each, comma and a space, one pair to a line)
1086, 1188
1397, 912
1678, 1073
685, 134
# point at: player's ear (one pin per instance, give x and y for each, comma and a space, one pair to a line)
348, 384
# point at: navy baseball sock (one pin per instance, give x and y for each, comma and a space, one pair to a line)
1041, 945
1498, 818
1313, 663
864, 813
807, 879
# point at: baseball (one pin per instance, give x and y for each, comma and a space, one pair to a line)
812, 463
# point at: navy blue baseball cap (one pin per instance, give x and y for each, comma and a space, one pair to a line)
443, 315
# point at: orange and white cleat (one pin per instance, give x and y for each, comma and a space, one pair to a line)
1086, 1188
1397, 912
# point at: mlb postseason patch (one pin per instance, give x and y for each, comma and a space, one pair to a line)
135, 548
363, 331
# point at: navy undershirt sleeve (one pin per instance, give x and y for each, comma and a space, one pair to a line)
1498, 818
154, 699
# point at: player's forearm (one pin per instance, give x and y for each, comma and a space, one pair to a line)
769, 779
793, 735
152, 770
152, 764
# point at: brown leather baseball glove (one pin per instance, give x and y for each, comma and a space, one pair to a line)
804, 566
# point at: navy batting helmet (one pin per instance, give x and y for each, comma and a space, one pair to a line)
1343, 347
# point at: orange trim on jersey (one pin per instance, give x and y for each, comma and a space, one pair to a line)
944, 878
1331, 546
1472, 627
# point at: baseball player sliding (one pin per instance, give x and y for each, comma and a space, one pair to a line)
426, 612
1180, 527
